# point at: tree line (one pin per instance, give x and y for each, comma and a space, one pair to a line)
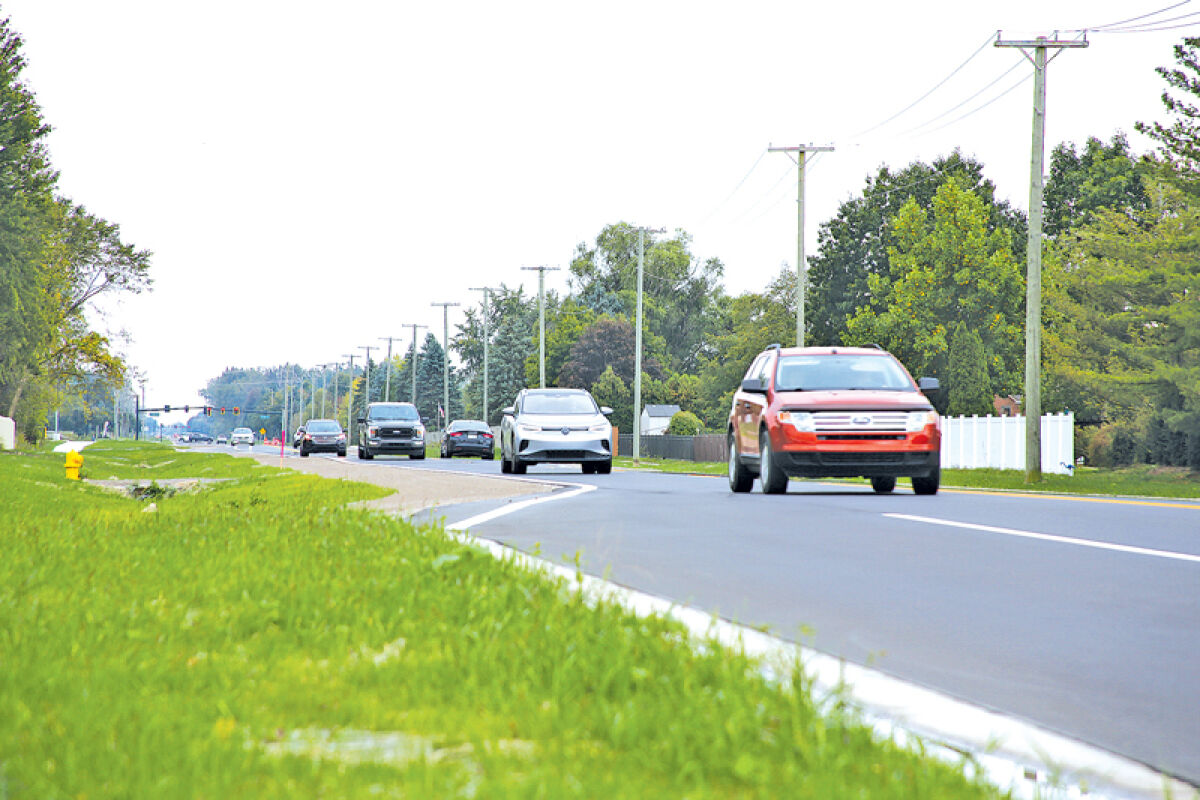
56, 260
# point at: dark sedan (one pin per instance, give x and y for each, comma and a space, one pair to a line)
323, 436
468, 437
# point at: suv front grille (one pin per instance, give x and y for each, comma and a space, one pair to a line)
860, 421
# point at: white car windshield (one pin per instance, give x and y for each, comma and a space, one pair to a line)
559, 403
840, 372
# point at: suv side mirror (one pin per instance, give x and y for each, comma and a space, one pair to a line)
508, 411
928, 385
361, 420
606, 411
754, 385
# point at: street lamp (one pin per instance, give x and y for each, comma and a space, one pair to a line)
487, 290
445, 358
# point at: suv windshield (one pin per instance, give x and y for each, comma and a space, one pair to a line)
393, 412
830, 372
323, 426
558, 403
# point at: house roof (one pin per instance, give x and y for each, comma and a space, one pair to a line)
662, 411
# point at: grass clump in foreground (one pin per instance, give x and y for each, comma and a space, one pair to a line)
256, 639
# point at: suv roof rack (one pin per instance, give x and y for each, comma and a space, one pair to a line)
775, 346
873, 345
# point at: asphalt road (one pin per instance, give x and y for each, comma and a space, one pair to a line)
1094, 634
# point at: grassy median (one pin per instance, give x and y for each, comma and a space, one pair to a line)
253, 638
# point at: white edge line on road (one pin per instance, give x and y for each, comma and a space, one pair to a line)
1006, 749
1049, 537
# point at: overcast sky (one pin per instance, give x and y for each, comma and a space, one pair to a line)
281, 157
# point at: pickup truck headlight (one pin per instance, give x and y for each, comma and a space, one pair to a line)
800, 420
917, 420
372, 430
419, 429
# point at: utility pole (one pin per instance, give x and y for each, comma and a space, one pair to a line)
1033, 249
349, 394
387, 385
336, 367
367, 369
324, 385
487, 290
413, 365
541, 271
802, 152
637, 347
445, 360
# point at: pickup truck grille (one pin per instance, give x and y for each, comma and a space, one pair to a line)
393, 432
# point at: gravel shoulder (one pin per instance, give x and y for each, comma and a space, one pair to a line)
415, 489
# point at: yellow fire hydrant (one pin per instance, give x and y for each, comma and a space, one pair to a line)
74, 462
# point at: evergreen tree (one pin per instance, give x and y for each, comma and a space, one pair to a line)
969, 390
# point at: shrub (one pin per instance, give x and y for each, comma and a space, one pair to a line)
685, 423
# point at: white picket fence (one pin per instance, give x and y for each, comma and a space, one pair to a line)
999, 442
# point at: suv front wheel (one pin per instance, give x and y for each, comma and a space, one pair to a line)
771, 479
740, 479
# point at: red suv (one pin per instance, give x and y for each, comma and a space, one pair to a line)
833, 412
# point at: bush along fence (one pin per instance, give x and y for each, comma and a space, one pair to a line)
999, 443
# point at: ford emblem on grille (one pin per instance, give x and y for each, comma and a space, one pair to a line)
565, 430
861, 420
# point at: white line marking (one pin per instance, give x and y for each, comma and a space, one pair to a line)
488, 516
1047, 537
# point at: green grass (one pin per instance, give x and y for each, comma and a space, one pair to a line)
1137, 481
239, 641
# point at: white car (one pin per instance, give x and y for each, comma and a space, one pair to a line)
241, 436
556, 426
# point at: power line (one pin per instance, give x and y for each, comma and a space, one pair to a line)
1131, 19
952, 109
939, 85
1140, 29
729, 196
977, 109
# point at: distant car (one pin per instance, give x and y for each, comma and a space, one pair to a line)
391, 428
222, 438
201, 438
298, 436
555, 426
468, 437
241, 436
322, 436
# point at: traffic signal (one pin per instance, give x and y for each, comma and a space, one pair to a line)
222, 411
208, 411
166, 408
237, 410
187, 409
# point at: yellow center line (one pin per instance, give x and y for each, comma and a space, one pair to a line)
1193, 506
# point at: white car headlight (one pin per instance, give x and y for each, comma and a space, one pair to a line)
601, 427
526, 428
800, 420
917, 420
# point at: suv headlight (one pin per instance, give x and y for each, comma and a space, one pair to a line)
917, 420
800, 420
601, 426
526, 428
